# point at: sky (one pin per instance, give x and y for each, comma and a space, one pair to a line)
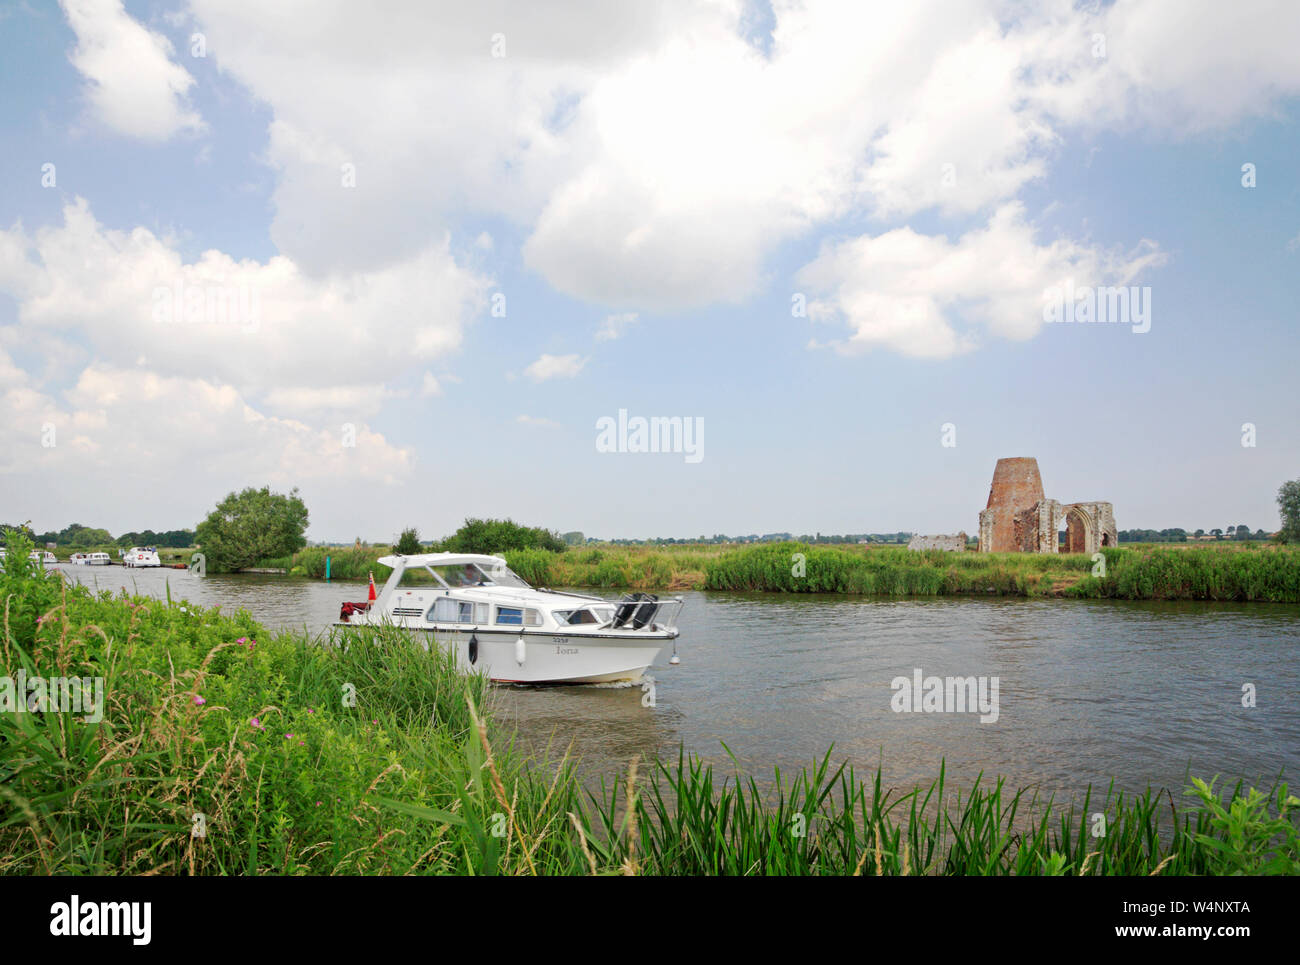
410, 258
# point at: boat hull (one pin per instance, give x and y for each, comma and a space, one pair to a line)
547, 658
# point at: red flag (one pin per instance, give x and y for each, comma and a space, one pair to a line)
372, 587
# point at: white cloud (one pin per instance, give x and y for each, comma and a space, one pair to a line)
1182, 67
429, 386
929, 297
114, 421
132, 84
615, 326
656, 158
326, 342
555, 367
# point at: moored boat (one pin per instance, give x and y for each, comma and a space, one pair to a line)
90, 559
497, 624
138, 556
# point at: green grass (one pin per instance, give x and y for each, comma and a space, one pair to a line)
209, 714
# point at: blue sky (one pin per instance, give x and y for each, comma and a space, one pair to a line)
682, 167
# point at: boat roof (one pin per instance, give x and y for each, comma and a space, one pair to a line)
442, 559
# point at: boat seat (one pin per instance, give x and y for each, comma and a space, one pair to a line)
635, 610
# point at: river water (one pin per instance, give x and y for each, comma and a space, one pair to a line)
1145, 693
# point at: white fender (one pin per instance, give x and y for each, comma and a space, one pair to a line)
519, 650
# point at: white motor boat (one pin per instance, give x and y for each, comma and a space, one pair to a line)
44, 557
141, 556
90, 559
497, 624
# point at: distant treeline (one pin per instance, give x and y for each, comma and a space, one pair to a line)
79, 535
1182, 535
574, 539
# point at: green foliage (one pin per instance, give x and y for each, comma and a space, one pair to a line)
533, 565
174, 538
495, 536
21, 529
408, 544
252, 525
1288, 504
1246, 838
81, 537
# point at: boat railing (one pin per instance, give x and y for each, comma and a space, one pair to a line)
668, 610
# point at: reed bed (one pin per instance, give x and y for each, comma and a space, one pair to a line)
1266, 574
1234, 571
225, 749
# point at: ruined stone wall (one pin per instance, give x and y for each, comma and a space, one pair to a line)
1036, 528
1090, 527
1017, 486
952, 544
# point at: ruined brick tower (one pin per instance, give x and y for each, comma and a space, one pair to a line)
1016, 486
1020, 519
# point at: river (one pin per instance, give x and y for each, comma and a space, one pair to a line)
1142, 692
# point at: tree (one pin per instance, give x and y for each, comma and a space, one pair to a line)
408, 544
1200, 533
499, 535
1217, 533
1288, 504
252, 525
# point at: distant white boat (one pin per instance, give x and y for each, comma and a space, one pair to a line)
138, 556
496, 623
90, 559
45, 558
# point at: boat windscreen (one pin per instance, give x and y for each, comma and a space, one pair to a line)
472, 574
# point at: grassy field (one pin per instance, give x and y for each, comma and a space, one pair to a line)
220, 748
1245, 571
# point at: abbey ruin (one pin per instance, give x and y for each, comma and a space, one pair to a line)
1020, 519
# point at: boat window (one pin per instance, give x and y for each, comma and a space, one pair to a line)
447, 610
575, 617
593, 616
532, 618
512, 615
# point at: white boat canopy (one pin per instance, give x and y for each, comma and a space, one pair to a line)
444, 559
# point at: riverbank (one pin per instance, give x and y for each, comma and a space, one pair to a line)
1244, 572
375, 756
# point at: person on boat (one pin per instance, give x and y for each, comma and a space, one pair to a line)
471, 576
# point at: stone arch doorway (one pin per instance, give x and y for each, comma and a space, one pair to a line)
1080, 531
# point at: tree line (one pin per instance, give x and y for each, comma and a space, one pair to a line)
78, 536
